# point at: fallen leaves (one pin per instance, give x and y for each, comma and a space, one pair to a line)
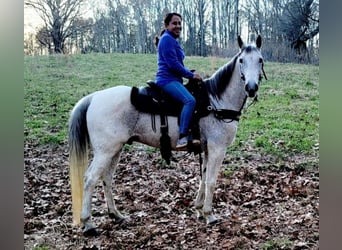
261, 204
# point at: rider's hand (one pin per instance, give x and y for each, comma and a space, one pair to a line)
197, 76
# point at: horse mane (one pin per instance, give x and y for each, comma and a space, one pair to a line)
220, 80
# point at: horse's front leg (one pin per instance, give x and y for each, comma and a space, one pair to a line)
199, 201
215, 157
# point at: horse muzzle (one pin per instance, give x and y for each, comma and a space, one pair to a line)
251, 89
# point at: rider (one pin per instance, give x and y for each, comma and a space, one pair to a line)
171, 71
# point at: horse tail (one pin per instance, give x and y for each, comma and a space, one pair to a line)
78, 154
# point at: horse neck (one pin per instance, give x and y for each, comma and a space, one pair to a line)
233, 97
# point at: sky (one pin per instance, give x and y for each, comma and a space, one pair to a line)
31, 20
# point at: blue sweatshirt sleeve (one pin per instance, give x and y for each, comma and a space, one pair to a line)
173, 56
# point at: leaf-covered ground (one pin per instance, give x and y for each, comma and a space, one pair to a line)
263, 204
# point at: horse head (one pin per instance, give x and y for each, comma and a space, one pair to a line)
250, 63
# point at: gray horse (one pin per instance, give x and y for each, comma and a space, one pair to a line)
107, 120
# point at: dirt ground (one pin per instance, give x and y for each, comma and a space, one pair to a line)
262, 204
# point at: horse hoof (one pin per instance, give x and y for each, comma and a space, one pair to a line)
200, 218
212, 220
92, 232
124, 222
119, 221
215, 222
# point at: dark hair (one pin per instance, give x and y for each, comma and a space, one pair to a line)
167, 20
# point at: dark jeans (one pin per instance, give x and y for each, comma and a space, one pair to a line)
180, 93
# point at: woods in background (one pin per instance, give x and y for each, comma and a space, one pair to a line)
289, 28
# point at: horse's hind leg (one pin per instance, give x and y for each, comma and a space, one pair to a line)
101, 163
107, 186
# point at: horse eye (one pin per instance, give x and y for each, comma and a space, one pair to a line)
241, 60
260, 60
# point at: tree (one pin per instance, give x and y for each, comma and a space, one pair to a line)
190, 17
300, 23
29, 44
289, 27
59, 17
201, 6
44, 38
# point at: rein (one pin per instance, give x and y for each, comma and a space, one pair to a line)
224, 114
228, 114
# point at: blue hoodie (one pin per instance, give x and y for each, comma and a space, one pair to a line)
170, 61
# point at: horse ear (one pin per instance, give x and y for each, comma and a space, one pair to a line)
240, 42
258, 42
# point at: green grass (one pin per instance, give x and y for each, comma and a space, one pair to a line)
284, 122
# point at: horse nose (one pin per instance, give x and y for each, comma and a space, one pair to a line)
251, 89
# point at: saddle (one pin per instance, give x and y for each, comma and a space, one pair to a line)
153, 100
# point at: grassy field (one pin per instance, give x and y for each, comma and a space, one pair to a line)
283, 123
